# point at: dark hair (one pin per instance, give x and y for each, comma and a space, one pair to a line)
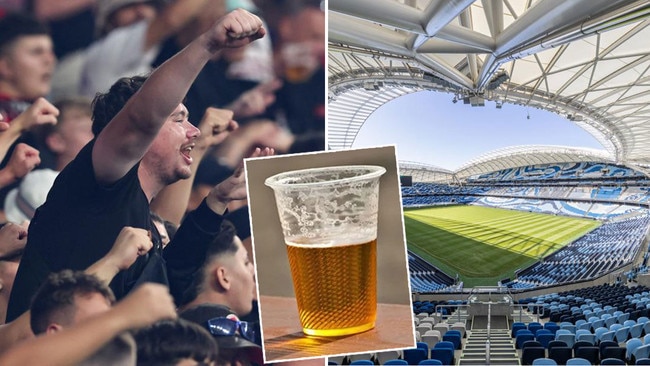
120, 350
57, 295
16, 25
107, 105
223, 243
168, 341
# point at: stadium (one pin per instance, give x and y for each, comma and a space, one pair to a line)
526, 254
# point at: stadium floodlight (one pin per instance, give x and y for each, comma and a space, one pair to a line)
370, 86
477, 101
497, 80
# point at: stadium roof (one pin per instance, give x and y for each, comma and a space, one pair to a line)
588, 60
515, 156
425, 172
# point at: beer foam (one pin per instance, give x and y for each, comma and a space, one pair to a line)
327, 242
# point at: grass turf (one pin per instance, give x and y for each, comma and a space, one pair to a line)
484, 245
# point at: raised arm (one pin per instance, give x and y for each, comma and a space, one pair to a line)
129, 134
145, 305
40, 112
130, 243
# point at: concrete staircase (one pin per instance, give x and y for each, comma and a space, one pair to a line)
501, 345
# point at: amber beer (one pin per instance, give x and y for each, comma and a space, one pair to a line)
335, 286
329, 223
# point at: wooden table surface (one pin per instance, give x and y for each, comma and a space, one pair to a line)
284, 339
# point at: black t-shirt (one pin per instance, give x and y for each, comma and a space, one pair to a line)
78, 225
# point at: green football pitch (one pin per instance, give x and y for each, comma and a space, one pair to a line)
484, 245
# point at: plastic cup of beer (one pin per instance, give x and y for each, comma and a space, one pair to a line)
329, 222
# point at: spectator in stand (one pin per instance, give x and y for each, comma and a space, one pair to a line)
63, 140
227, 276
146, 305
66, 298
143, 143
234, 337
131, 32
175, 342
26, 63
130, 243
12, 243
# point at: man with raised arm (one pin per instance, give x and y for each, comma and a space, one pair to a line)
143, 143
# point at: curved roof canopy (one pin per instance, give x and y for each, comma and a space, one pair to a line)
516, 156
588, 60
425, 172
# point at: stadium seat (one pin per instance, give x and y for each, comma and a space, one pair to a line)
631, 346
583, 335
566, 336
560, 354
529, 354
454, 337
534, 326
431, 339
577, 361
589, 353
613, 352
516, 327
523, 336
444, 355
414, 355
642, 352
545, 339
395, 362
424, 346
361, 362
544, 362
384, 356
612, 361
430, 362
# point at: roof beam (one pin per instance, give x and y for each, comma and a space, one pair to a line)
387, 12
438, 14
494, 15
548, 21
355, 32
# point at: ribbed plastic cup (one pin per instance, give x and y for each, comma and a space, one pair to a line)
329, 222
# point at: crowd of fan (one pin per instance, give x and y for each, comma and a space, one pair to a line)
606, 248
123, 129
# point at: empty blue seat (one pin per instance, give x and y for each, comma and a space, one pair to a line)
454, 338
444, 355
396, 362
544, 362
631, 346
642, 352
577, 361
534, 326
529, 354
545, 339
414, 355
444, 344
430, 362
516, 327
612, 361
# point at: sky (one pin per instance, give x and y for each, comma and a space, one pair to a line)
428, 128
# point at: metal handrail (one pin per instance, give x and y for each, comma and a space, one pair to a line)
449, 313
539, 311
